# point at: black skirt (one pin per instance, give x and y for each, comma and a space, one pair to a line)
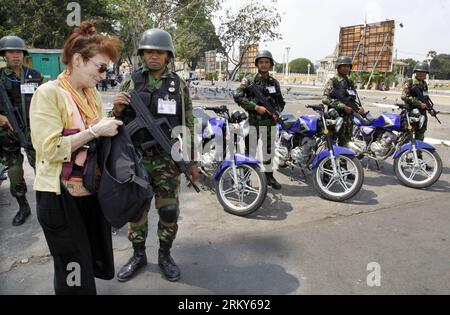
79, 239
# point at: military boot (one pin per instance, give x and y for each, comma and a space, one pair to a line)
344, 167
166, 263
428, 168
136, 262
24, 211
271, 181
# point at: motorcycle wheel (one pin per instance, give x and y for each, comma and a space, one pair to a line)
246, 196
343, 185
420, 176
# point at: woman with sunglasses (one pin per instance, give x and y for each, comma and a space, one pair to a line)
66, 117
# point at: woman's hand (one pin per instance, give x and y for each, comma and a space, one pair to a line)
107, 127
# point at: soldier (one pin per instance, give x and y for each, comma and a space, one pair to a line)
409, 96
20, 83
259, 116
342, 86
168, 96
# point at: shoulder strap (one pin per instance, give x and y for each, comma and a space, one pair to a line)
139, 80
335, 82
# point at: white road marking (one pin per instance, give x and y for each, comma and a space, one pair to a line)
445, 143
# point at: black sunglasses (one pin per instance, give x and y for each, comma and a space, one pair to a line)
102, 68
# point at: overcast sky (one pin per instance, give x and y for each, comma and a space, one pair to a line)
311, 27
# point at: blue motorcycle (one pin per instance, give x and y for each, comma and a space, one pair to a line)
240, 185
308, 143
416, 163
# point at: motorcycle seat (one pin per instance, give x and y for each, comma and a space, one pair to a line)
288, 121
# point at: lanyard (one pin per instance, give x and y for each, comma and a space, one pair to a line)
17, 81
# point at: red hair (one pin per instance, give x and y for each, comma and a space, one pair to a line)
85, 41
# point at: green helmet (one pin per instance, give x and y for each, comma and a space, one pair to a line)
12, 43
344, 61
422, 66
264, 54
156, 39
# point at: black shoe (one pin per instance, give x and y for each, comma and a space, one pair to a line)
271, 181
135, 263
168, 266
24, 212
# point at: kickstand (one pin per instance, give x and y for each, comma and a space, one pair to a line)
304, 174
376, 162
291, 175
378, 165
368, 164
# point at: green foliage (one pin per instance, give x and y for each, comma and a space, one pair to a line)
440, 67
212, 76
410, 67
279, 67
43, 23
300, 65
195, 33
253, 23
379, 79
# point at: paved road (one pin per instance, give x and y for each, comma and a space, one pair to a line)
296, 244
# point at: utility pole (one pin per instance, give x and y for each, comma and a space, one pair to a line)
219, 56
287, 64
309, 68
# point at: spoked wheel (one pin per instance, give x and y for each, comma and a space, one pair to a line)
342, 185
418, 174
245, 196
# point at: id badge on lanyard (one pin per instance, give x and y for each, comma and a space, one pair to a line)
271, 90
167, 107
28, 88
351, 92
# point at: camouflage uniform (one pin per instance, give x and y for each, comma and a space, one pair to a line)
248, 102
10, 149
339, 81
164, 175
412, 100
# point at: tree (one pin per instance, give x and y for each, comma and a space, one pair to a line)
432, 54
195, 33
300, 65
410, 67
440, 67
187, 20
132, 18
43, 23
279, 67
251, 24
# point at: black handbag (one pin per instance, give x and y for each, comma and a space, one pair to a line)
124, 190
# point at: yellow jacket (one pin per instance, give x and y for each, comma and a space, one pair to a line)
50, 114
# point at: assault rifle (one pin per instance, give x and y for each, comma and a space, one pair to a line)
14, 117
145, 120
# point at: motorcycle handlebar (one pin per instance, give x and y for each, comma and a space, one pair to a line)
217, 110
319, 108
